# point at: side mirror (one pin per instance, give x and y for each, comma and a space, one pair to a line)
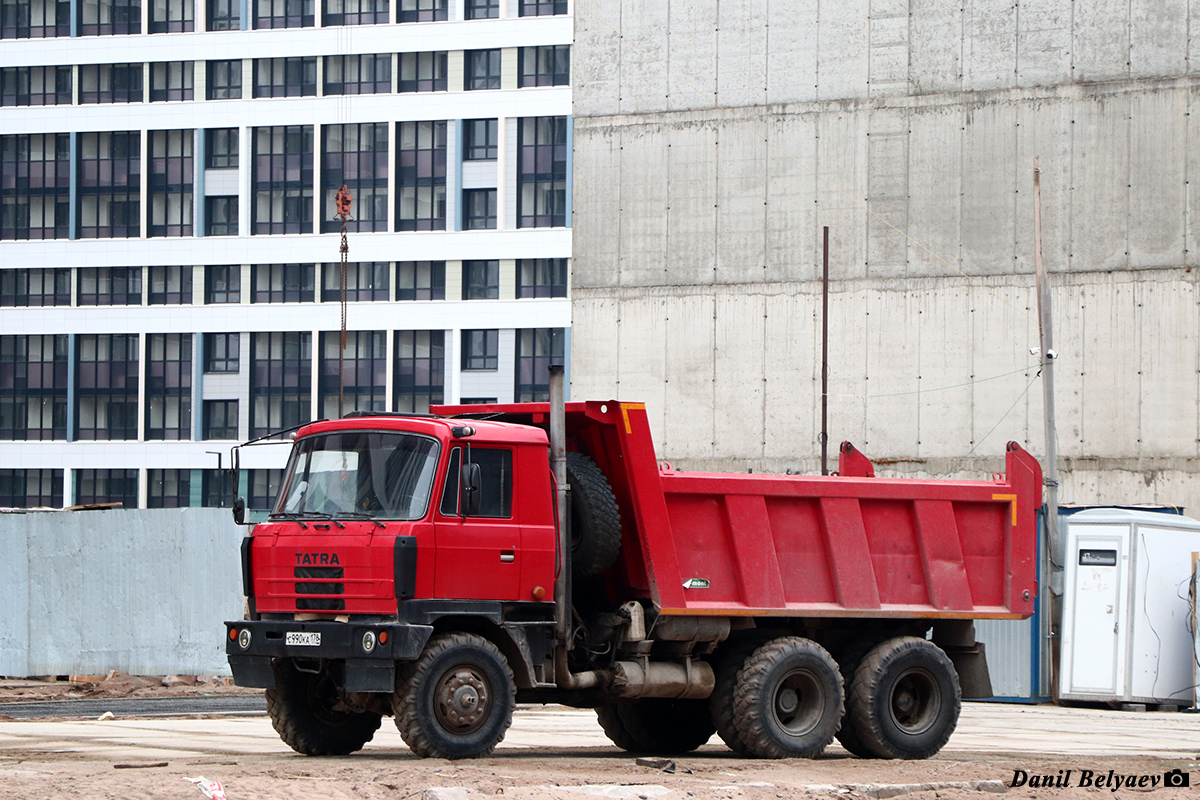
471, 483
235, 469
239, 511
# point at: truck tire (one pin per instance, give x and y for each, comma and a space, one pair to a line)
720, 703
905, 699
656, 725
789, 700
456, 700
595, 519
848, 663
303, 711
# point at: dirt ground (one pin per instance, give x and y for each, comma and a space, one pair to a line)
559, 775
386, 771
115, 684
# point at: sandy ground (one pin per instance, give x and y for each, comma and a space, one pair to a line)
559, 754
115, 684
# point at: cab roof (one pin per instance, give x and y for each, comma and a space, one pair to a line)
439, 427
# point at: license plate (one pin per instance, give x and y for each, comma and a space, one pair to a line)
302, 639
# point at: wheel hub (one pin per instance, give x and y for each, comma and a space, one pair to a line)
799, 702
915, 702
461, 700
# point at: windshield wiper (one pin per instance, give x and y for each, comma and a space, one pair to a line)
290, 515
363, 515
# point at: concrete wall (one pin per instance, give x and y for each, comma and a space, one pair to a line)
713, 140
143, 592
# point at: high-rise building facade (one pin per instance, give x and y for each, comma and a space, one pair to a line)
170, 269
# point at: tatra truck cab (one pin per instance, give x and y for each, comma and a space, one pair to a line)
440, 569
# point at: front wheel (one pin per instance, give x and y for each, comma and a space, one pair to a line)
905, 699
308, 714
456, 700
789, 699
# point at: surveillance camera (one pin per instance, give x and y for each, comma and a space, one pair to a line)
1033, 351
1050, 354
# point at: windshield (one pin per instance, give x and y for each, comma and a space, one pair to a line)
360, 474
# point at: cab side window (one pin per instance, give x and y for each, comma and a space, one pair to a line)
496, 482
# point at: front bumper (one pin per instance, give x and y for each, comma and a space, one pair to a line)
373, 671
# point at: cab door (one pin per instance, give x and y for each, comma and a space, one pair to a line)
478, 556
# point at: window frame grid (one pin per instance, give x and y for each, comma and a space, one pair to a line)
366, 281
222, 353
126, 481
482, 69
124, 84
15, 287
283, 179
371, 73
555, 73
228, 420
169, 286
124, 17
415, 289
17, 86
168, 386
222, 284
423, 72
421, 175
179, 77
542, 172
285, 77
364, 368
170, 184
283, 283
536, 350
423, 11
480, 350
364, 169
43, 488
115, 387
280, 370
36, 381
223, 79
112, 182
177, 16
29, 184
109, 286
13, 27
419, 370
541, 277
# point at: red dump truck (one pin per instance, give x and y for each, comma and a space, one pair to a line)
436, 570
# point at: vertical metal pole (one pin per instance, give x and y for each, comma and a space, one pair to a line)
1046, 335
823, 438
558, 465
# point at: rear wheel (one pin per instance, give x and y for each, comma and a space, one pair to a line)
789, 701
456, 700
905, 699
307, 712
720, 704
848, 664
656, 725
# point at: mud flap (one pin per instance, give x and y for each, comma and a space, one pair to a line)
370, 675
972, 668
254, 672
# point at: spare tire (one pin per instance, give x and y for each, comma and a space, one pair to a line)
595, 519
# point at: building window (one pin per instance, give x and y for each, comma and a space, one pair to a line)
34, 19
168, 488
481, 280
537, 350
110, 83
170, 286
355, 12
31, 488
480, 349
33, 387
366, 74
541, 277
224, 80
108, 17
479, 209
482, 9
35, 86
106, 369
220, 419
421, 280
284, 14
264, 486
481, 69
224, 15
285, 77
221, 215
280, 381
110, 286
281, 283
35, 287
423, 72
110, 166
223, 284
222, 148
170, 183
169, 386
421, 176
215, 490
222, 352
365, 280
172, 16
419, 371
422, 10
542, 172
549, 65
171, 80
106, 486
542, 8
357, 156
364, 367
480, 139
283, 179
35, 186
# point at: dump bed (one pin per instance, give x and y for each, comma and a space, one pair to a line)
850, 545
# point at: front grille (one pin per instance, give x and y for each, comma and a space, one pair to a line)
320, 603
